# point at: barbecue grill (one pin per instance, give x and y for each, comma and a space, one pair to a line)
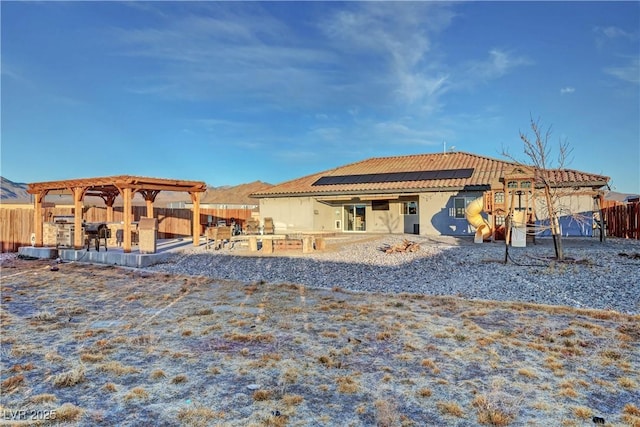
96, 231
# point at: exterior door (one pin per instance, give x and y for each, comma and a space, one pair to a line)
354, 218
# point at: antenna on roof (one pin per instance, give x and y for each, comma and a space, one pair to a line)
452, 149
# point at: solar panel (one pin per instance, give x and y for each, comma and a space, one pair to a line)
372, 178
412, 176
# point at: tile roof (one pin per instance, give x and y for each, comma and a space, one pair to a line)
485, 171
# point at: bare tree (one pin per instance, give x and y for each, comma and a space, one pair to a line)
538, 152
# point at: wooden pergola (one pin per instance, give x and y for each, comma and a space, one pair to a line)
108, 189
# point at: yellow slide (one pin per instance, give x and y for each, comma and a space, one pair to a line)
472, 214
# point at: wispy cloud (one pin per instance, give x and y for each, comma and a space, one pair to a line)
13, 73
230, 52
354, 55
363, 57
628, 73
396, 133
606, 36
567, 89
393, 45
497, 64
611, 32
327, 133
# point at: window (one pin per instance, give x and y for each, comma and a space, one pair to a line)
512, 184
499, 220
410, 208
380, 205
525, 184
460, 206
499, 198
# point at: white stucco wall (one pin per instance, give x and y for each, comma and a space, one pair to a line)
575, 212
290, 214
305, 214
435, 215
389, 221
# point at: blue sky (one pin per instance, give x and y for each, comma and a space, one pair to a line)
230, 92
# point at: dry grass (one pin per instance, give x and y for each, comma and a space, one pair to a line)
450, 408
492, 411
260, 395
583, 412
425, 392
43, 398
387, 413
318, 357
68, 412
347, 385
198, 416
69, 378
12, 383
137, 393
92, 357
179, 379
110, 387
117, 368
631, 415
292, 399
158, 374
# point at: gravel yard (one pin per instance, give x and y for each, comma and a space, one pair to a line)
598, 275
227, 338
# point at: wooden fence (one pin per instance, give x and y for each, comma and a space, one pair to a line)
16, 225
623, 220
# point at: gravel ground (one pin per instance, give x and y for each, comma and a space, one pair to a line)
596, 275
103, 345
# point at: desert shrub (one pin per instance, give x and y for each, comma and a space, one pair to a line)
69, 378
12, 383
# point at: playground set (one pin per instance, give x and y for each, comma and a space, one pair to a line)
511, 206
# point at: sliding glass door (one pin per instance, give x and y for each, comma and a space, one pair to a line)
355, 218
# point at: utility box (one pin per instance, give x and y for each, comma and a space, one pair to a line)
519, 230
147, 235
519, 237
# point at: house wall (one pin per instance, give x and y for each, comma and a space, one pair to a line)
306, 214
575, 209
389, 221
325, 215
437, 213
290, 214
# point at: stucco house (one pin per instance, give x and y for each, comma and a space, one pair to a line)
427, 194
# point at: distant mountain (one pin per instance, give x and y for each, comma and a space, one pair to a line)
10, 190
237, 195
619, 197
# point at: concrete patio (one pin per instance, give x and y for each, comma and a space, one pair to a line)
113, 255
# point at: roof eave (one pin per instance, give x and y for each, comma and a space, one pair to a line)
478, 187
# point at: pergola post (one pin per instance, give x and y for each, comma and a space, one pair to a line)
37, 218
149, 197
109, 213
78, 195
109, 199
195, 198
126, 212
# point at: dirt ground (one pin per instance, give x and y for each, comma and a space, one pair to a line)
103, 346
